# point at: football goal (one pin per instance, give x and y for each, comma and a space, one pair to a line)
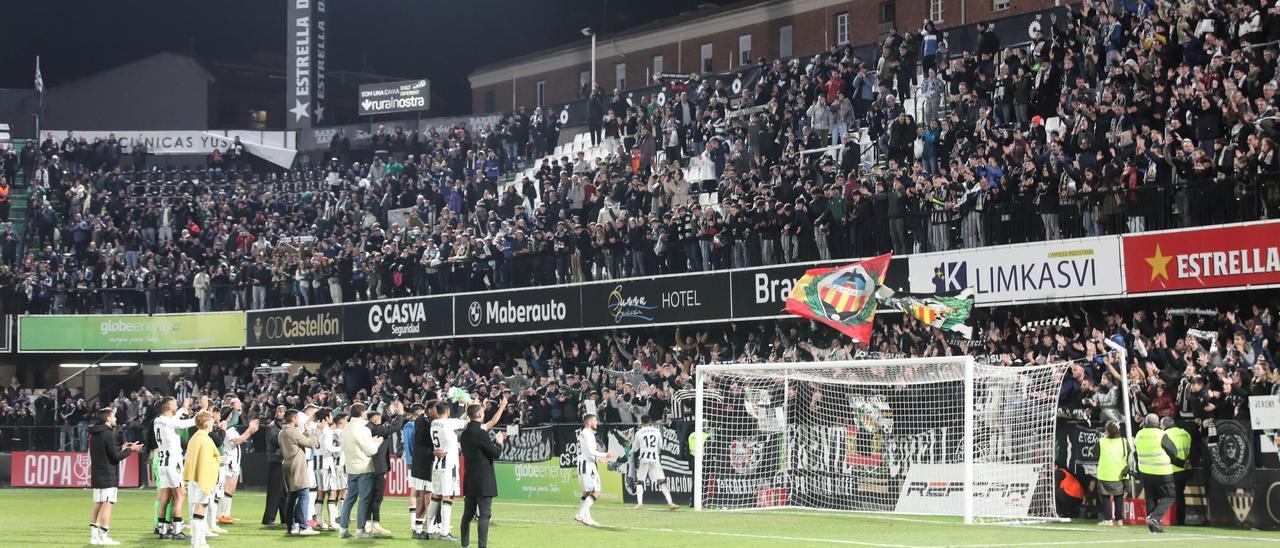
931, 436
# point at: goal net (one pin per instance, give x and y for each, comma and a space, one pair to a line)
933, 436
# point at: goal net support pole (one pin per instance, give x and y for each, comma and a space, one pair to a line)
968, 440
697, 445
930, 436
1124, 394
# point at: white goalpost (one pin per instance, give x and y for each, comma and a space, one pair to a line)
927, 436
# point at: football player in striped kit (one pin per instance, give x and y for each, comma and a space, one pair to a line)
333, 481
324, 476
446, 483
316, 415
647, 448
169, 463
231, 448
588, 474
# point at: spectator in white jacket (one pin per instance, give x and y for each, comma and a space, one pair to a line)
358, 447
201, 286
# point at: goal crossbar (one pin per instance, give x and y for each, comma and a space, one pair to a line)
718, 367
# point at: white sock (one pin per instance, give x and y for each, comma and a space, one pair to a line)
197, 532
433, 513
446, 509
93, 532
639, 493
413, 516
315, 507
333, 511
417, 524
666, 491
587, 501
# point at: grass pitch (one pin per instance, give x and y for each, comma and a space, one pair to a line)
59, 517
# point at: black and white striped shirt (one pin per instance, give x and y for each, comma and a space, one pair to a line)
647, 444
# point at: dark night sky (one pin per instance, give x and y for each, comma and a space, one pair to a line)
442, 40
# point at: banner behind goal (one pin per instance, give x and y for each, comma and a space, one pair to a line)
938, 436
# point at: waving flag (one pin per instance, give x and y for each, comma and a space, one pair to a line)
843, 298
947, 311
39, 77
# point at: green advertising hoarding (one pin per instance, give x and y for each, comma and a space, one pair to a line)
101, 333
547, 482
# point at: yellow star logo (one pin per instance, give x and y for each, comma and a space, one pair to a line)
1159, 264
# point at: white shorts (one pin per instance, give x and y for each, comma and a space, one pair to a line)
311, 479
105, 495
589, 480
217, 487
444, 483
169, 476
231, 470
196, 495
420, 484
331, 480
650, 470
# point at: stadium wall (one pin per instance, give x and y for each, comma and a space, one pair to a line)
679, 41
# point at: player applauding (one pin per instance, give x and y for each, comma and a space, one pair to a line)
588, 474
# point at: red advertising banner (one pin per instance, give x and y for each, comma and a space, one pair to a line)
61, 469
398, 477
1230, 256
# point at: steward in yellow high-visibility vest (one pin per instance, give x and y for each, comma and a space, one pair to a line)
1157, 456
1113, 459
1182, 440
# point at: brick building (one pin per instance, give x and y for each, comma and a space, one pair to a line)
718, 40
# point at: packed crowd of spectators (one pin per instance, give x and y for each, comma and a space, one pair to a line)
1163, 116
1187, 363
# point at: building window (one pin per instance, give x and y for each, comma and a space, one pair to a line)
785, 42
935, 11
999, 5
744, 49
657, 64
620, 76
490, 102
706, 64
542, 93
842, 28
888, 14
257, 119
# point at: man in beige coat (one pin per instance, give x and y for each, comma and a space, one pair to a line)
294, 443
